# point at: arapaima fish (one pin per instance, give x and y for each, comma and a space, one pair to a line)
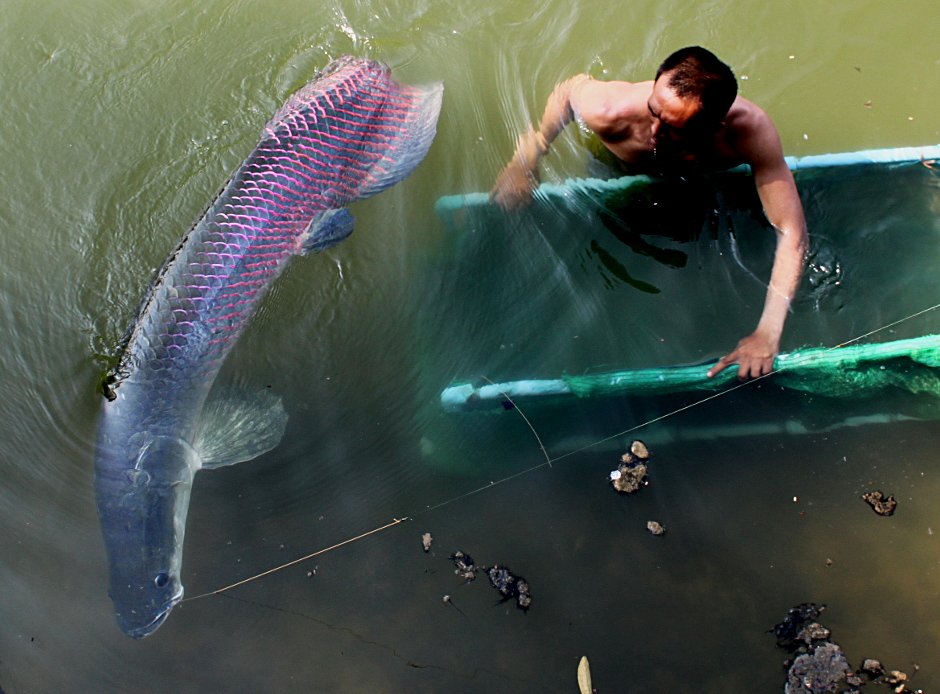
348, 134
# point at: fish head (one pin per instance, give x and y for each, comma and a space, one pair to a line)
142, 508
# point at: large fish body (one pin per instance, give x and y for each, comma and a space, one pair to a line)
348, 134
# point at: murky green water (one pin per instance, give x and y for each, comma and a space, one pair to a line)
122, 119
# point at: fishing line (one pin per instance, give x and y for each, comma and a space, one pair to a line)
395, 521
548, 460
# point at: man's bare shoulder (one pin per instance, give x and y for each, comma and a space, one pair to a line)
747, 120
750, 132
605, 106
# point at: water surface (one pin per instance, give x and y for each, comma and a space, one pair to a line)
122, 120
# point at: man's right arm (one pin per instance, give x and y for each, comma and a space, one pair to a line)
760, 147
519, 179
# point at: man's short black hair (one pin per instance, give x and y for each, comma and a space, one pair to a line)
696, 73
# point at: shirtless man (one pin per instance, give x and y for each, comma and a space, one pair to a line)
688, 117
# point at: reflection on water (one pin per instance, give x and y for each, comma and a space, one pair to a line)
122, 122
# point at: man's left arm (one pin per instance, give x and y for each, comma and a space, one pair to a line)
761, 148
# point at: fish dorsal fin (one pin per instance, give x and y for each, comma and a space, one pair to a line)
239, 426
326, 230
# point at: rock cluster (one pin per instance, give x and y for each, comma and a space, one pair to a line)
631, 472
818, 665
464, 566
510, 586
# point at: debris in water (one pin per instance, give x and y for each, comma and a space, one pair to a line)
787, 632
426, 541
882, 505
448, 601
655, 527
510, 586
466, 569
584, 676
872, 668
631, 473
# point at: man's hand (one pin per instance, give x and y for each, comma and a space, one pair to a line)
515, 185
754, 356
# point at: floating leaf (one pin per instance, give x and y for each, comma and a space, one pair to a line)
584, 676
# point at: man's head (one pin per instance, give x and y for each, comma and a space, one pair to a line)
691, 95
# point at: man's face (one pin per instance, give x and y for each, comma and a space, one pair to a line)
673, 127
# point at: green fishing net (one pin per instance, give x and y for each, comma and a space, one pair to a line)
912, 365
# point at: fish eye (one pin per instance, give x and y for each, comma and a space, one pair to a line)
161, 579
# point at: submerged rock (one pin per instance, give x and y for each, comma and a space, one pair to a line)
523, 597
655, 528
631, 473
639, 449
854, 681
895, 677
880, 504
465, 568
813, 632
627, 479
820, 666
510, 586
789, 632
819, 671
872, 668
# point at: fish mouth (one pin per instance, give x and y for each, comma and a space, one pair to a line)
135, 631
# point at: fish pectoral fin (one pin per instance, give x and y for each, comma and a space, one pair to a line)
240, 426
326, 230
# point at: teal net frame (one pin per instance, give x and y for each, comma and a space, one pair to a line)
912, 365
578, 188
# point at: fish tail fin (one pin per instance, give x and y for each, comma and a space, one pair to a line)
408, 123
